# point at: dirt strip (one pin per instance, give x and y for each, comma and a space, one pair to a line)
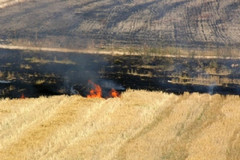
106, 52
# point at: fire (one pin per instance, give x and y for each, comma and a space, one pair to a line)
114, 93
22, 96
96, 92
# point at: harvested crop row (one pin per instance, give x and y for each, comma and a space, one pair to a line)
138, 125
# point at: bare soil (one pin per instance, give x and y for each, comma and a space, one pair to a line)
91, 23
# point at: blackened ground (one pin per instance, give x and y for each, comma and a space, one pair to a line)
46, 73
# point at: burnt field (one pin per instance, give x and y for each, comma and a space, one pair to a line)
33, 74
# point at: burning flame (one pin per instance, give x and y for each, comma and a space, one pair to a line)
96, 92
22, 96
114, 93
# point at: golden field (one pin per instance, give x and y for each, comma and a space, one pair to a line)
138, 125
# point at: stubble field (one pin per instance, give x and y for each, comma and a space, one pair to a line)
138, 125
120, 23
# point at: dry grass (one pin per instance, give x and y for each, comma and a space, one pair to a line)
44, 61
6, 3
139, 125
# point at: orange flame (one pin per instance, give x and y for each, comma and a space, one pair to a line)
96, 92
22, 96
114, 93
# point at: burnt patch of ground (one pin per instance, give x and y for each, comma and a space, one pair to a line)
47, 73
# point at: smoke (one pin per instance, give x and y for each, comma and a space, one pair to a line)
73, 91
211, 89
109, 84
89, 67
5, 82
